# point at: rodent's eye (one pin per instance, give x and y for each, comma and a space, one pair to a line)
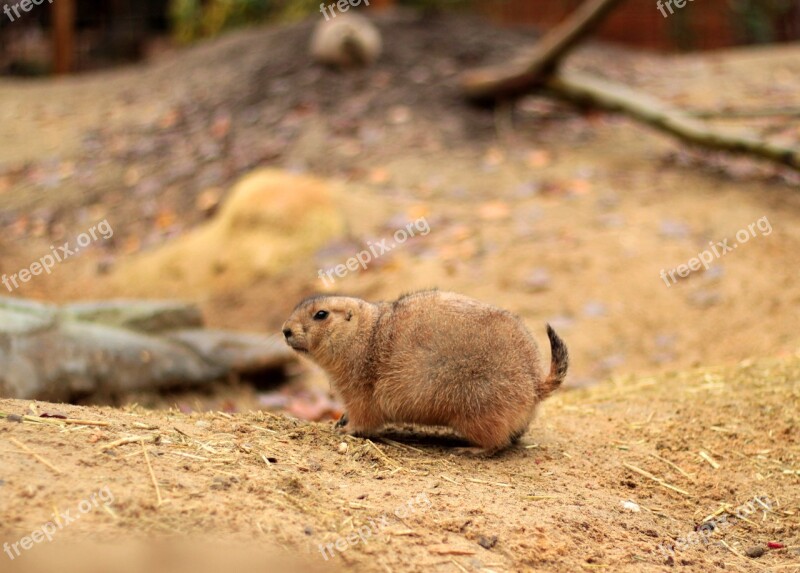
321, 315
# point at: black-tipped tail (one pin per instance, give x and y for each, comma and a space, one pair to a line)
559, 362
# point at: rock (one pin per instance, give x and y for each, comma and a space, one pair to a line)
671, 229
346, 40
142, 316
704, 298
23, 323
19, 316
55, 354
755, 552
538, 280
239, 352
271, 222
76, 358
631, 506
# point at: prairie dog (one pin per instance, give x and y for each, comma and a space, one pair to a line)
429, 358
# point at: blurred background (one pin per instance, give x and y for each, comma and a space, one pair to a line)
74, 35
236, 165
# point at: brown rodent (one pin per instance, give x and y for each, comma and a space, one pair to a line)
429, 358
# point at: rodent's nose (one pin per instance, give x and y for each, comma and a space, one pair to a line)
287, 332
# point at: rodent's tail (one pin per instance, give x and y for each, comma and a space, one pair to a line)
559, 362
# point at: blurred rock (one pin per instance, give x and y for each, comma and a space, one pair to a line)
671, 229
142, 316
271, 222
538, 280
704, 298
237, 351
346, 40
59, 354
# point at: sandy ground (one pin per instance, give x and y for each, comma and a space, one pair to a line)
560, 216
605, 477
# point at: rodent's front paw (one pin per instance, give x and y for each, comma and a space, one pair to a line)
342, 422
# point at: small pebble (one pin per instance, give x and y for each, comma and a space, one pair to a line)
595, 309
631, 506
487, 542
343, 448
755, 551
704, 298
671, 229
539, 280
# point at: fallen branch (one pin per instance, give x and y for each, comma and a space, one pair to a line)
53, 421
36, 456
153, 438
159, 499
584, 89
528, 71
656, 479
756, 113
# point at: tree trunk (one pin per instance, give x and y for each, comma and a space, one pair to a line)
63, 36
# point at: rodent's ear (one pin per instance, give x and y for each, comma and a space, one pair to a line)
348, 315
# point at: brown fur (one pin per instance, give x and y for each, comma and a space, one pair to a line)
429, 358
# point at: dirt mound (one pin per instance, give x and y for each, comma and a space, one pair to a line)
690, 471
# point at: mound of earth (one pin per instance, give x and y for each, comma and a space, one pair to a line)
689, 471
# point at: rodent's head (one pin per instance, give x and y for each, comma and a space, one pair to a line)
324, 326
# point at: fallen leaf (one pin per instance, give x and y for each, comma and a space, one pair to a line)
538, 159
494, 211
379, 176
165, 219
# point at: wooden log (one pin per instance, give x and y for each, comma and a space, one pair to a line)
585, 89
527, 71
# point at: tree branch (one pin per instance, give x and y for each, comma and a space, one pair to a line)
530, 70
584, 89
